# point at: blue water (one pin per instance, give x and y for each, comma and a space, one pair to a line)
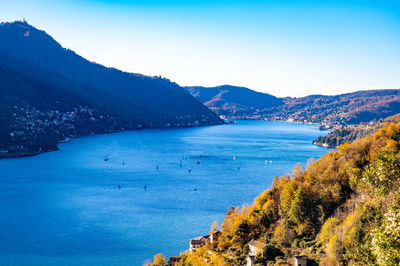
65, 208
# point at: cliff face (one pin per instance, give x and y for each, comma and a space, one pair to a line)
51, 92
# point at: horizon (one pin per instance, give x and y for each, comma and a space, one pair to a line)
320, 49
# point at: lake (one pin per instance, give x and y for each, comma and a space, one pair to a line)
65, 207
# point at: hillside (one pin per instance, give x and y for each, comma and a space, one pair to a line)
345, 109
348, 134
344, 209
49, 93
351, 133
234, 102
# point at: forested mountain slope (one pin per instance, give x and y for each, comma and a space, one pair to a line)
50, 93
351, 132
233, 101
344, 109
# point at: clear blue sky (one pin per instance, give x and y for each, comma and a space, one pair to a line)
286, 48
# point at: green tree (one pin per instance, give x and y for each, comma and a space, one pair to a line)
286, 198
297, 213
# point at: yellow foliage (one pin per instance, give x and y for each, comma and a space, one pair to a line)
233, 218
159, 260
260, 200
267, 205
283, 236
329, 262
214, 225
304, 228
204, 257
297, 204
296, 170
286, 198
328, 229
350, 228
334, 248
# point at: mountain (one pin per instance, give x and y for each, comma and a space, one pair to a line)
344, 109
49, 93
232, 101
344, 209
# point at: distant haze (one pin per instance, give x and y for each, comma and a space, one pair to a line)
285, 48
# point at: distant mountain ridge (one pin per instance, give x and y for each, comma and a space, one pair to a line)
39, 76
343, 109
232, 100
350, 108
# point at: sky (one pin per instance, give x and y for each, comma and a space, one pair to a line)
282, 47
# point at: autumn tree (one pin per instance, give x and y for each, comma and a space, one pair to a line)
159, 260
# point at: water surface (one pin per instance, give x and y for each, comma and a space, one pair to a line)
65, 208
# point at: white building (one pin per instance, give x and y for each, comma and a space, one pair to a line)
214, 235
256, 248
197, 242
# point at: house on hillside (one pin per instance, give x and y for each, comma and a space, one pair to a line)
214, 234
255, 248
300, 261
197, 242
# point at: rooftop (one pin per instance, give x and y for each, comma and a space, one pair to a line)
257, 244
214, 232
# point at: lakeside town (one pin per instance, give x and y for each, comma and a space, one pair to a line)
31, 131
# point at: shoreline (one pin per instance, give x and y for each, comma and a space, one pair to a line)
35, 153
31, 154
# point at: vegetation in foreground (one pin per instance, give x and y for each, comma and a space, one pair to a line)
344, 209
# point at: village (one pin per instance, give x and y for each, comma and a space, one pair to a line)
33, 131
